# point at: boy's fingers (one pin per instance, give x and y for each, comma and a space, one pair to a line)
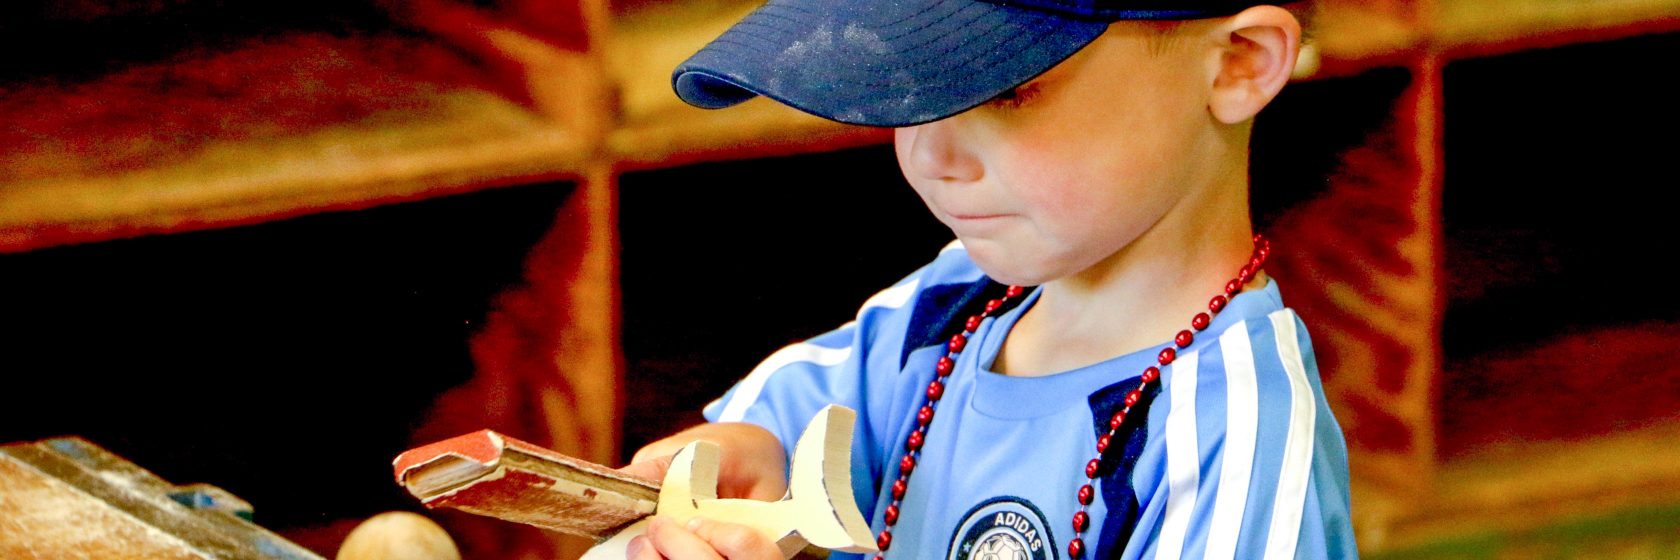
734, 541
665, 448
674, 541
652, 468
639, 549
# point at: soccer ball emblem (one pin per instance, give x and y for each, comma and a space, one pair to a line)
1005, 528
1000, 545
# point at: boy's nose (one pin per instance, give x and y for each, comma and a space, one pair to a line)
939, 151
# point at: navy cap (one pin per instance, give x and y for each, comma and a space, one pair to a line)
903, 62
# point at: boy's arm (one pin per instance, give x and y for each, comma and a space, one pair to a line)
853, 365
753, 460
759, 419
1246, 459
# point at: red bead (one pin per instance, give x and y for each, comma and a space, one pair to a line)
899, 486
914, 442
1200, 321
943, 368
1259, 238
1132, 398
1256, 262
884, 541
1080, 521
1151, 374
1217, 304
924, 415
1184, 338
1115, 421
973, 323
992, 306
1085, 494
907, 464
1014, 292
1167, 356
1232, 287
1076, 549
1102, 444
1091, 468
1263, 253
892, 515
1244, 276
879, 557
958, 342
935, 390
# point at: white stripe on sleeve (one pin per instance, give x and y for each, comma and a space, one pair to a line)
747, 391
891, 298
1183, 464
1298, 446
1242, 421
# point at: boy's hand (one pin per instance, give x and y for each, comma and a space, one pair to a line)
754, 461
701, 539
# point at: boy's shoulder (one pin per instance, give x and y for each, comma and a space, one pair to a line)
950, 280
1258, 328
1256, 351
1263, 337
915, 311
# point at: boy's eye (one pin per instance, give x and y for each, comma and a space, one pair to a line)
1014, 97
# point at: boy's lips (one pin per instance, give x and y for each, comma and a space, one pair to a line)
967, 214
977, 224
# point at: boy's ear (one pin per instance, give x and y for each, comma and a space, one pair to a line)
1257, 50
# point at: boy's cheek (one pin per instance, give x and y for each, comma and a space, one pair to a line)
1050, 189
922, 194
903, 140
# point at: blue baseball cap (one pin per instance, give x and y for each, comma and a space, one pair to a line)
903, 62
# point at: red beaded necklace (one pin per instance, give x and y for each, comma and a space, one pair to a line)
942, 369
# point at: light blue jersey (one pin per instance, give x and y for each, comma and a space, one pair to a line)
1235, 454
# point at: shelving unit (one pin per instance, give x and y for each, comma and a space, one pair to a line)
464, 96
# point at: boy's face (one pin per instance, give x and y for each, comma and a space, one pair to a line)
1082, 161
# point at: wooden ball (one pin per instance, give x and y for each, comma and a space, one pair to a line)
398, 535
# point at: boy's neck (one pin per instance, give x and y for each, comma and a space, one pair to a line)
1141, 295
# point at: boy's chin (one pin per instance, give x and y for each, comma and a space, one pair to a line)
1010, 269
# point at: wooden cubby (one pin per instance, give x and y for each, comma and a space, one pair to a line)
386, 102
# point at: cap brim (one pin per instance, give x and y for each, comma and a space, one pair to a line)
879, 63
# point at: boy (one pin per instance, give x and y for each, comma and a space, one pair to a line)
1114, 410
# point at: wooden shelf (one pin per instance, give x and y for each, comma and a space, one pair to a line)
1351, 37
656, 129
1466, 28
389, 118
1356, 36
238, 137
1524, 486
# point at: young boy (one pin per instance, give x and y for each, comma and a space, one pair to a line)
1113, 410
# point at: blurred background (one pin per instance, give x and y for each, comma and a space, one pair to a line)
269, 245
